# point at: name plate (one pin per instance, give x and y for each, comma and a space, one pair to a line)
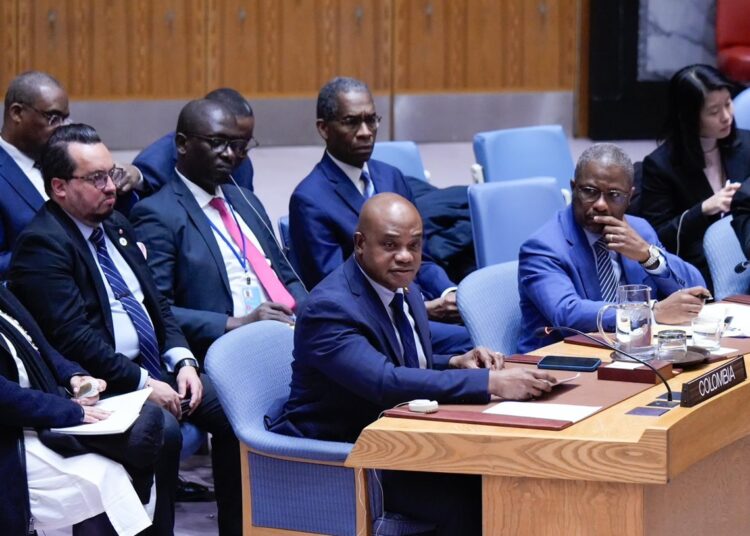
714, 382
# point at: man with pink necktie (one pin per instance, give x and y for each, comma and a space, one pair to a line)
210, 244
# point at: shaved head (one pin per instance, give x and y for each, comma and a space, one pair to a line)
388, 240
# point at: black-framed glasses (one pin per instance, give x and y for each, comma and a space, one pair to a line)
219, 144
99, 178
54, 119
589, 194
352, 122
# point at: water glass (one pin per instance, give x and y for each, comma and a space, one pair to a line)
672, 344
707, 331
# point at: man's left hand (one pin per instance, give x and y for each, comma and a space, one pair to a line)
131, 180
75, 385
189, 383
623, 239
443, 309
478, 358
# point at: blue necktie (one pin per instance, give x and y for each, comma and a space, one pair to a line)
148, 347
369, 189
605, 271
405, 331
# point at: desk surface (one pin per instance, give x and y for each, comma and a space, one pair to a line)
609, 446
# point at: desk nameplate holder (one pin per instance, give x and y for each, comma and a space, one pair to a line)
713, 382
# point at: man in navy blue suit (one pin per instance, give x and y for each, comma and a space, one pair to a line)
324, 207
362, 345
157, 161
35, 105
571, 267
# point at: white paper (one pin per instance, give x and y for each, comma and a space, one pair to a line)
740, 324
723, 351
125, 410
626, 365
535, 410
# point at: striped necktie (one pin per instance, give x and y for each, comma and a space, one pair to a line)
369, 189
605, 271
147, 344
405, 331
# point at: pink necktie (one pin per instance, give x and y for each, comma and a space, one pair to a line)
271, 284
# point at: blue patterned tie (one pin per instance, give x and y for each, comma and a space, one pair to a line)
148, 347
405, 331
605, 271
369, 189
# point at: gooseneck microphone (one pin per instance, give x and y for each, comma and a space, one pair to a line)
543, 332
741, 267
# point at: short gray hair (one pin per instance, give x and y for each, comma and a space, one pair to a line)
607, 154
327, 107
24, 88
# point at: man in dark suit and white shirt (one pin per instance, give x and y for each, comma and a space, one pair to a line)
78, 268
211, 247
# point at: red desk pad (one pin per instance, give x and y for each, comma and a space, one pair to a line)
585, 390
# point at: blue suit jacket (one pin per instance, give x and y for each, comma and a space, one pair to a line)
157, 162
186, 261
559, 286
323, 213
19, 202
348, 365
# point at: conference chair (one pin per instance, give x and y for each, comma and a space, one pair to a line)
505, 214
724, 252
742, 109
289, 483
516, 153
286, 239
489, 305
733, 39
403, 155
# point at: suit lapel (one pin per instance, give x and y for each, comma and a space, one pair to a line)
344, 188
581, 255
17, 179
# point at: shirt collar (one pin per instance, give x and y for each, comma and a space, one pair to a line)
592, 237
201, 196
385, 295
85, 230
353, 172
25, 162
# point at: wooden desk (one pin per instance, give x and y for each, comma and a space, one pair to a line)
683, 473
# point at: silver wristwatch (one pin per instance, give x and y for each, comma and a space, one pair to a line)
654, 254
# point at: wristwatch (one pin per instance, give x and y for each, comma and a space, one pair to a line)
654, 256
187, 362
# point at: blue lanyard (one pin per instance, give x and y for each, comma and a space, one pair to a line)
241, 258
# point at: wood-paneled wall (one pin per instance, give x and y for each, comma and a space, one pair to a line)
120, 49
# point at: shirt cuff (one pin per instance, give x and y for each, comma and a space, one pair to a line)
144, 379
176, 354
139, 185
448, 291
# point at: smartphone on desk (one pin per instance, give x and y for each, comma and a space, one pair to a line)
567, 362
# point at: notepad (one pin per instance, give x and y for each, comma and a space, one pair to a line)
535, 410
125, 410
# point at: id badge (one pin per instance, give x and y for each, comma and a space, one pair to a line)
251, 296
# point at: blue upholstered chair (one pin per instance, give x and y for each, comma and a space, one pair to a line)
723, 252
489, 304
742, 109
401, 154
288, 483
516, 153
284, 235
505, 214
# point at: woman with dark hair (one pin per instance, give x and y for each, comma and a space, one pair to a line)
690, 179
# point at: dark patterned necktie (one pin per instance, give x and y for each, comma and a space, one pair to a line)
605, 271
405, 331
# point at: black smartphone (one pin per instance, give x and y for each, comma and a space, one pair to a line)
567, 362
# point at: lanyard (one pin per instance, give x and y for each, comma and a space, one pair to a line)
241, 258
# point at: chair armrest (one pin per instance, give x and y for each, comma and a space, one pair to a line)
265, 442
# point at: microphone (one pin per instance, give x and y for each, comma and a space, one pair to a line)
741, 267
543, 332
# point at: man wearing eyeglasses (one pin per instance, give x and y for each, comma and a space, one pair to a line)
572, 266
211, 245
157, 161
79, 270
35, 105
325, 206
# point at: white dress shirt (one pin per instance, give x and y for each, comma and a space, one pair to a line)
27, 166
235, 272
353, 172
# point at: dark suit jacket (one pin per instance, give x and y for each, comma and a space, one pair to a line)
19, 202
55, 276
27, 408
669, 189
559, 286
186, 261
323, 213
348, 365
157, 162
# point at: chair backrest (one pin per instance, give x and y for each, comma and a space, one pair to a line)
489, 304
403, 155
724, 252
505, 214
742, 109
732, 23
283, 225
516, 153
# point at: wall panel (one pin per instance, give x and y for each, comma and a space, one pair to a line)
8, 42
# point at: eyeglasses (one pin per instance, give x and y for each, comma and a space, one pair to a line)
99, 178
219, 144
352, 122
589, 194
54, 119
